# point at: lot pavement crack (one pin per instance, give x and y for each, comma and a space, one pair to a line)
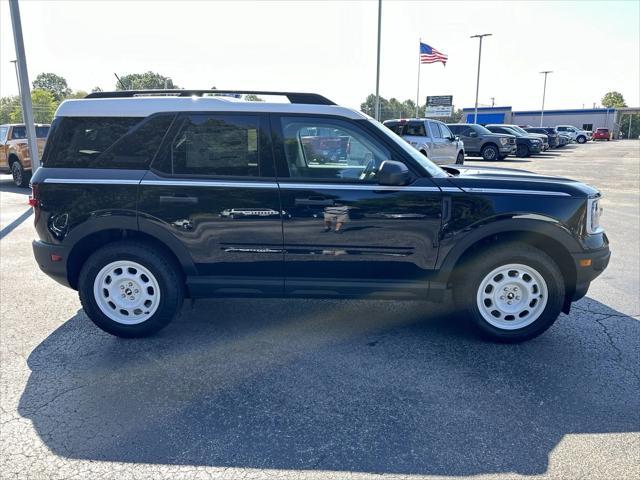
620, 360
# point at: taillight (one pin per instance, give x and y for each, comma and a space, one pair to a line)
33, 198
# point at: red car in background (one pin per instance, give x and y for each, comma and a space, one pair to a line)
602, 134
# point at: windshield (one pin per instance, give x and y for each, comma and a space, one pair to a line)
480, 129
518, 129
428, 165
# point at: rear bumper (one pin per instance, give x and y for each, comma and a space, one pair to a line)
599, 259
55, 269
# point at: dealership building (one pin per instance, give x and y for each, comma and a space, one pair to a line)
584, 118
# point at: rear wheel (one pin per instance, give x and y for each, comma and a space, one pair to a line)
460, 159
490, 152
20, 176
522, 151
129, 289
511, 292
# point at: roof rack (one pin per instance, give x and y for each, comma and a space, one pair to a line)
293, 97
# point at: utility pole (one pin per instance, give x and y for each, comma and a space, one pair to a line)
493, 101
23, 83
15, 67
377, 107
544, 92
475, 114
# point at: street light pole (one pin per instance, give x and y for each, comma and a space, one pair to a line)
23, 82
15, 67
377, 107
475, 114
544, 92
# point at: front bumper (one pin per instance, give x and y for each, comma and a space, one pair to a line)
588, 267
535, 148
56, 269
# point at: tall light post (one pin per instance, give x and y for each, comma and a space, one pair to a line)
15, 67
23, 82
377, 107
544, 92
480, 36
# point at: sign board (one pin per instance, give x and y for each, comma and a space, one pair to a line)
440, 101
438, 111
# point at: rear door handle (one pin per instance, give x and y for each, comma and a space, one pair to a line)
178, 199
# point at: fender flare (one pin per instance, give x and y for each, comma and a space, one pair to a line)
544, 226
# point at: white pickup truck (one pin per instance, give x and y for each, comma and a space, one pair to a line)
580, 136
430, 137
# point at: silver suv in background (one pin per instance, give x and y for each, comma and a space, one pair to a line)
431, 138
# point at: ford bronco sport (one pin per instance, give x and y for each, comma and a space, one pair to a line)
145, 198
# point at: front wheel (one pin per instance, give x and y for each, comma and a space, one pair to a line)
511, 292
460, 159
130, 289
522, 151
20, 176
490, 153
581, 139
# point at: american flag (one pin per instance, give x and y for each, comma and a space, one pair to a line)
431, 55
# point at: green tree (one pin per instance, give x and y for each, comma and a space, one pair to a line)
55, 84
44, 105
635, 126
253, 98
145, 81
613, 99
96, 89
7, 106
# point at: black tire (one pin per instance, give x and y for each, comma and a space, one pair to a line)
490, 153
20, 176
581, 139
460, 158
166, 272
473, 271
522, 151
502, 157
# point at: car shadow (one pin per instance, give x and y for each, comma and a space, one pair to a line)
508, 159
379, 387
10, 187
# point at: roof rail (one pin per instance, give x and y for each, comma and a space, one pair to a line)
305, 98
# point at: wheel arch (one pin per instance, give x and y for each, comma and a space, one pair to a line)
543, 235
88, 244
12, 158
492, 144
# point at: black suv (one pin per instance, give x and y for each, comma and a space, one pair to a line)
525, 144
146, 198
479, 141
550, 132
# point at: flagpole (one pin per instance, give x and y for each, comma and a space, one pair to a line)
418, 91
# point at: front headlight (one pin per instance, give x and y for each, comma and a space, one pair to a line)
594, 212
504, 140
536, 140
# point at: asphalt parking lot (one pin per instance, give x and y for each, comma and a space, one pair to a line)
323, 388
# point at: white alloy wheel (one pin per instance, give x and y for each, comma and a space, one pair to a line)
126, 292
512, 296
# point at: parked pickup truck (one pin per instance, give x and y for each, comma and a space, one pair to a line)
431, 138
14, 151
478, 141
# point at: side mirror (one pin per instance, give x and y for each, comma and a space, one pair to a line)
473, 134
393, 173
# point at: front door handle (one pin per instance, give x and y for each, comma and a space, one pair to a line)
182, 199
315, 201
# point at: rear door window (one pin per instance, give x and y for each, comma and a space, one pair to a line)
105, 142
435, 130
217, 145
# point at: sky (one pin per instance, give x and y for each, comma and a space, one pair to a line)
330, 47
